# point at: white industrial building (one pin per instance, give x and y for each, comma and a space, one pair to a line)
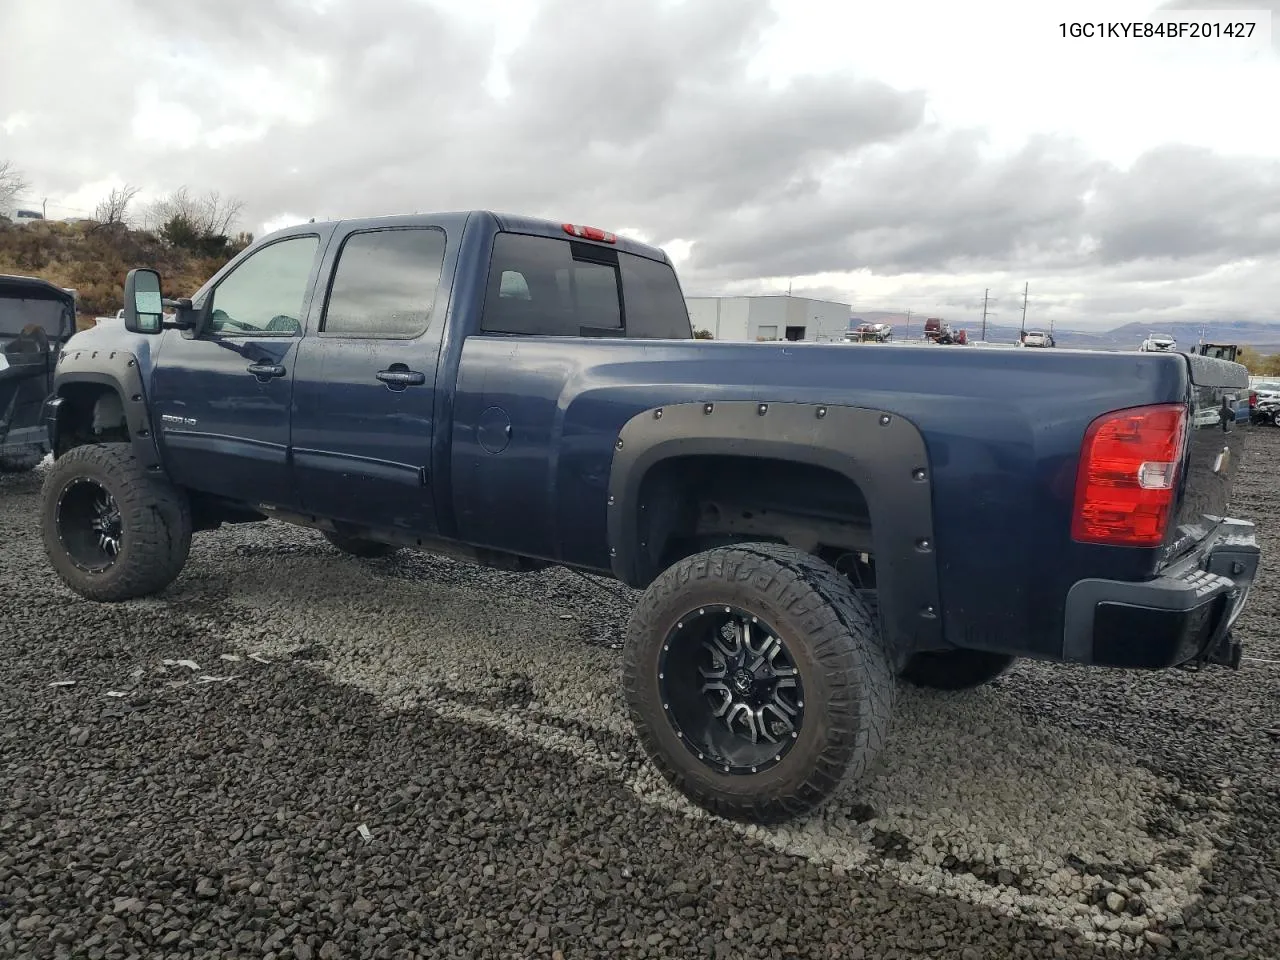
780, 317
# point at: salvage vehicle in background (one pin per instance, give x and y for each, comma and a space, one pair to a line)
808, 524
1222, 351
36, 320
870, 332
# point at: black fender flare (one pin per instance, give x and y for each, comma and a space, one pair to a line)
119, 371
882, 453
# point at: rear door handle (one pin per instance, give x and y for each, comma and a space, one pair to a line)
265, 371
399, 377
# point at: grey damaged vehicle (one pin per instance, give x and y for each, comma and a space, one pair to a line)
36, 319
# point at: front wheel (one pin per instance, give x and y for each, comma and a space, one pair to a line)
757, 681
111, 531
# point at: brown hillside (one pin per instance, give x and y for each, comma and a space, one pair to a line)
93, 258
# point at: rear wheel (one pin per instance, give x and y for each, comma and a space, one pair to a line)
22, 461
757, 681
955, 669
359, 547
111, 531
1275, 418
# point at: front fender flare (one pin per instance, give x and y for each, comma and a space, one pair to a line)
882, 453
117, 370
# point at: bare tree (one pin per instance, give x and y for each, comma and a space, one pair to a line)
115, 208
217, 214
210, 215
12, 182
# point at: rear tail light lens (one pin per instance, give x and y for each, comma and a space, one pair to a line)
1253, 399
1125, 486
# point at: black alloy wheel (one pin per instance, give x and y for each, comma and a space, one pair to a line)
89, 524
730, 689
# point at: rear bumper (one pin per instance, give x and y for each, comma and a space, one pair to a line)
1184, 615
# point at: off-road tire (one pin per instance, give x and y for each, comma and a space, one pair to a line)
359, 547
23, 462
155, 519
835, 643
955, 669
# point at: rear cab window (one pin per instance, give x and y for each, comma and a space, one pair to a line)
540, 286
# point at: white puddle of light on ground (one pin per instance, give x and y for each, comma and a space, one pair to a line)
963, 777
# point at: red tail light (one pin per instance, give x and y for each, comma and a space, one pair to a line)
589, 233
1125, 486
1253, 399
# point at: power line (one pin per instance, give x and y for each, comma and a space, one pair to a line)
1025, 288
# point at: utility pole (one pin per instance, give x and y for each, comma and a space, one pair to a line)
1025, 288
908, 333
985, 296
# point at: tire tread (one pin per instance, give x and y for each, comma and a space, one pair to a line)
156, 518
846, 645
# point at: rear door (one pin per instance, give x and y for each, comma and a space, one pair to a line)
552, 306
366, 383
222, 398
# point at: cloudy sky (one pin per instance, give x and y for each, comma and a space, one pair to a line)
890, 157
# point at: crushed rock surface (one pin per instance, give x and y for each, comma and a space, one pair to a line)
295, 754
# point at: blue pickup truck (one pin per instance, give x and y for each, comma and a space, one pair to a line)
810, 524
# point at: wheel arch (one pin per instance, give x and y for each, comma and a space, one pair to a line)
881, 457
97, 394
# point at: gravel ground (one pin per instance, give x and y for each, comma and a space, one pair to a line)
412, 757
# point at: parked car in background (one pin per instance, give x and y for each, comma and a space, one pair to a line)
1264, 400
1038, 338
1267, 388
36, 320
1158, 343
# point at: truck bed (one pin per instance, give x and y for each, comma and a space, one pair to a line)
1002, 432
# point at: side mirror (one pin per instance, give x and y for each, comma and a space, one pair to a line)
143, 305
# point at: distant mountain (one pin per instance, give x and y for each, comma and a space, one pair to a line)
1263, 336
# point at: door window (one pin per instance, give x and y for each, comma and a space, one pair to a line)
385, 284
265, 293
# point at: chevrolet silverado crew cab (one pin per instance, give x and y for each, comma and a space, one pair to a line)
809, 526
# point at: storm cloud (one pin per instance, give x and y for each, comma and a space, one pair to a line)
650, 117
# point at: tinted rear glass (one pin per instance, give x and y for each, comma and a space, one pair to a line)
17, 313
537, 286
656, 308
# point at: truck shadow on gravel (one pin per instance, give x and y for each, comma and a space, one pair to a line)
973, 799
977, 800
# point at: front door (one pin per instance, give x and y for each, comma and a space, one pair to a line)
222, 398
364, 396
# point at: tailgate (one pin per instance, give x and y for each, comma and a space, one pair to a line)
1219, 421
